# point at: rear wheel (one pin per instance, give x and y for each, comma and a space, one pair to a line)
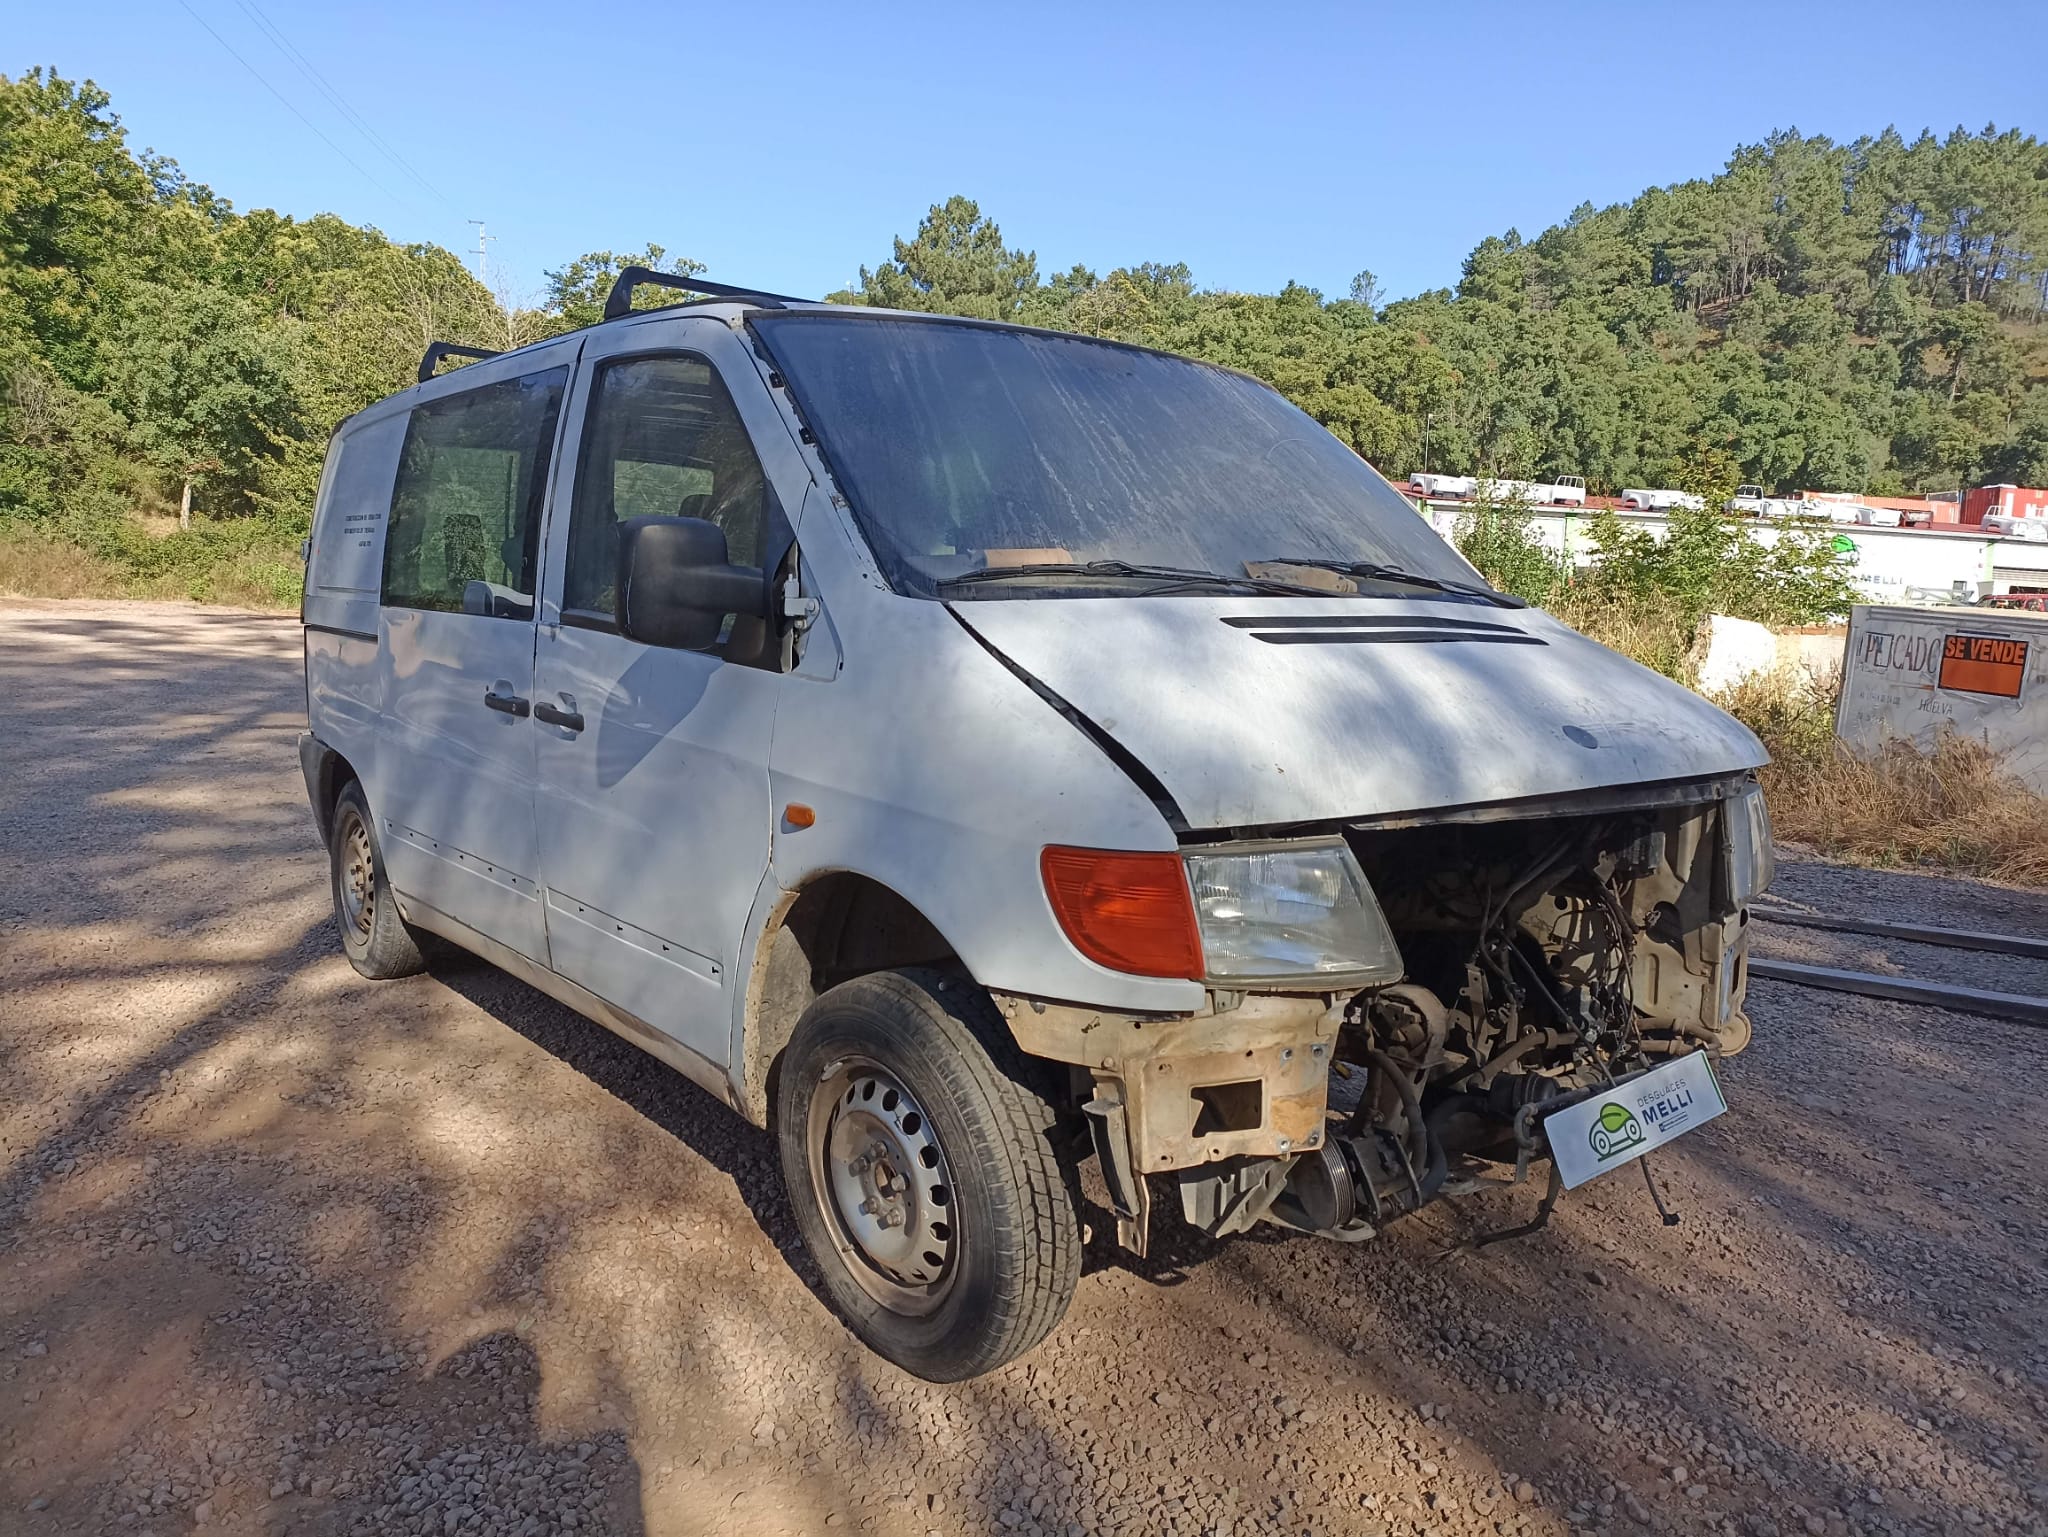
376, 940
922, 1168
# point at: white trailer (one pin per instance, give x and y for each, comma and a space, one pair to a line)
1443, 485
1637, 500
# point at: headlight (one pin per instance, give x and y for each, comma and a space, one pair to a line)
1747, 856
1294, 915
1297, 913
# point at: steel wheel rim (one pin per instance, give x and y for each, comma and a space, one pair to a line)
356, 880
883, 1186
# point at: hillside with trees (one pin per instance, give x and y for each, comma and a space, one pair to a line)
1870, 316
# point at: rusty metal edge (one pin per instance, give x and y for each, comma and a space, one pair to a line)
1955, 939
2016, 1008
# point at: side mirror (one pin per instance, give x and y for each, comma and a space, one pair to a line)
674, 586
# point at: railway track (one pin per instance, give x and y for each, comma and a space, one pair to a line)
2016, 1008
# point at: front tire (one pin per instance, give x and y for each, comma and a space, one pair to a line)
922, 1168
373, 936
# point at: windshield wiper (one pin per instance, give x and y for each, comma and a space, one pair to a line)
1374, 571
1162, 578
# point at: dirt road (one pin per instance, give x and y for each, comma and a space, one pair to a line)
285, 1251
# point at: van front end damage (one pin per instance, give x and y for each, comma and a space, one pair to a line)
1548, 954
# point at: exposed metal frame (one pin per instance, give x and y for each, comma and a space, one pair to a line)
2015, 1008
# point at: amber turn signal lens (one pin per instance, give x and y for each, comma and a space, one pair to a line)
1129, 912
796, 814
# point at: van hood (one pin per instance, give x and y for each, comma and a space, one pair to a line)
1256, 711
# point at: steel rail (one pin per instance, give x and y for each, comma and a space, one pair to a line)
2016, 1008
2017, 945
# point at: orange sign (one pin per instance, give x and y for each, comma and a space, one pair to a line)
1983, 664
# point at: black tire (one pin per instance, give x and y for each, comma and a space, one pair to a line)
377, 942
1009, 1237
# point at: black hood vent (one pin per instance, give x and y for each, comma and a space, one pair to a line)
1376, 630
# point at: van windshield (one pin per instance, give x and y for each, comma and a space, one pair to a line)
972, 449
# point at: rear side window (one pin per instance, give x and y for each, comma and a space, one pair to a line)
662, 440
465, 513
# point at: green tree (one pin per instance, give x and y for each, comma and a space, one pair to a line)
956, 264
75, 211
577, 290
204, 388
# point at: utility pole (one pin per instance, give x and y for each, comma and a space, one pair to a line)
482, 240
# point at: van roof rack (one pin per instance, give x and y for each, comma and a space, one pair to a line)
620, 300
439, 350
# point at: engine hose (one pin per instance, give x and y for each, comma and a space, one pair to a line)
1411, 1101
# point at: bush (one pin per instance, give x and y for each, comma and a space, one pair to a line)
99, 551
1710, 563
1647, 597
1498, 536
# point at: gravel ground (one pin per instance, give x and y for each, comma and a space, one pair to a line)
1842, 891
285, 1251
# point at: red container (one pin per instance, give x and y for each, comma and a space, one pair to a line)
2012, 501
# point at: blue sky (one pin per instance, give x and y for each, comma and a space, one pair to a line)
783, 145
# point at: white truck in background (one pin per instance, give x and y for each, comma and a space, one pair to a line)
1560, 490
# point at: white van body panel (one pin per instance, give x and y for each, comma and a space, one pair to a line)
654, 819
935, 770
345, 556
452, 785
452, 781
1252, 715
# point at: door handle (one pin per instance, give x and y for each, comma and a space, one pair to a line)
510, 704
568, 716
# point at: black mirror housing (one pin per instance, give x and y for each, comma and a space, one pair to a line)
675, 587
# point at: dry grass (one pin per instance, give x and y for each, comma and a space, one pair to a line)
252, 569
1647, 629
1955, 808
35, 567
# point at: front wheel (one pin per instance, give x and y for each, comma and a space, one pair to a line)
377, 941
922, 1169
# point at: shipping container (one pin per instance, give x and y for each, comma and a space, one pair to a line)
2003, 501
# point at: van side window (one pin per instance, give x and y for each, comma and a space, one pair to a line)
465, 513
662, 439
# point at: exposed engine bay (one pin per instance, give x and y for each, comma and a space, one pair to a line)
1547, 959
1544, 959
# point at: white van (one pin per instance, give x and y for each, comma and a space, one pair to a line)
968, 749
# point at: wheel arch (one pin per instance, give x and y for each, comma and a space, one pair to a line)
839, 924
327, 774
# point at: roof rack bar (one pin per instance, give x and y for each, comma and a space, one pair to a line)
620, 300
439, 350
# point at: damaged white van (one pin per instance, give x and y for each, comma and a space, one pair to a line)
967, 750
